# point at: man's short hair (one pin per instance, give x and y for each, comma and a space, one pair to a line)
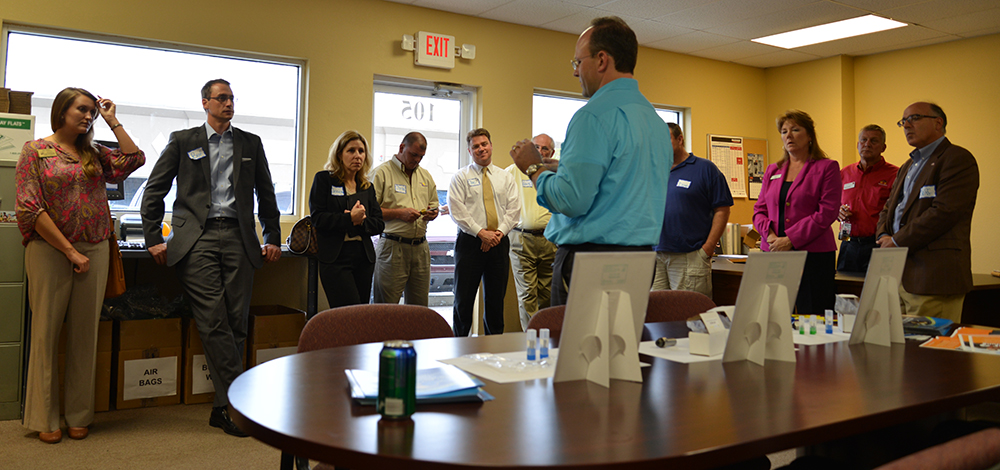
206, 91
612, 35
940, 112
875, 128
412, 137
675, 130
477, 133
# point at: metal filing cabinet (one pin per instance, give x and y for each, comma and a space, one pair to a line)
15, 130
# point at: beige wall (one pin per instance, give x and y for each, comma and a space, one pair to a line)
347, 42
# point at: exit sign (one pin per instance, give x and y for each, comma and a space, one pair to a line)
435, 50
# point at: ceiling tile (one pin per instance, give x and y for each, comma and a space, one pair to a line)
691, 42
463, 7
728, 11
938, 9
789, 20
878, 5
401, 1
982, 32
967, 23
775, 59
907, 45
647, 31
533, 12
736, 50
588, 3
852, 46
649, 8
575, 23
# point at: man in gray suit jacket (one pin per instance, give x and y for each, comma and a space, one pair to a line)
214, 247
929, 211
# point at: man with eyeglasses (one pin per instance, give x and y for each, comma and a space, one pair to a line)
214, 247
531, 254
866, 189
607, 192
929, 211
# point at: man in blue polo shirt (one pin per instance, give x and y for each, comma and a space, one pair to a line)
606, 193
696, 213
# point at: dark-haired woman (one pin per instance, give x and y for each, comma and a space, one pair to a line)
799, 200
346, 215
62, 212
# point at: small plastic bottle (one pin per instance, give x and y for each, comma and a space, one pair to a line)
532, 344
829, 321
812, 324
543, 344
802, 324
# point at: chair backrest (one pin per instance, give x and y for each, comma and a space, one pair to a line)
977, 451
551, 318
370, 323
676, 305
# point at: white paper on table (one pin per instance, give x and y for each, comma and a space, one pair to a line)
680, 352
821, 338
509, 374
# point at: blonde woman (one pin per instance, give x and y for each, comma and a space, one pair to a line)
62, 211
346, 215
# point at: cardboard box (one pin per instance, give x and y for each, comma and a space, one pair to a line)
102, 387
196, 376
274, 332
149, 368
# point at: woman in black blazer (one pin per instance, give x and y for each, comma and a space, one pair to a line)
346, 215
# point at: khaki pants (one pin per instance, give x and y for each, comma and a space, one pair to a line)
57, 295
531, 258
684, 271
401, 270
940, 306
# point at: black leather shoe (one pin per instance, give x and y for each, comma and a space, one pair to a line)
220, 419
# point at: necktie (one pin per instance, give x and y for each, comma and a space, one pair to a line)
491, 211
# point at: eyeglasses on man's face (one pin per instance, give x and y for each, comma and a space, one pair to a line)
576, 62
913, 118
223, 98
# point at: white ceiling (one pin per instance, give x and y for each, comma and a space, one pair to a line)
722, 29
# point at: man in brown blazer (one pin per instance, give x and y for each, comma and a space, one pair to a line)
929, 211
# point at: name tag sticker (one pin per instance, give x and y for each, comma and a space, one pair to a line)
473, 181
526, 183
774, 177
927, 191
337, 191
683, 184
399, 188
196, 154
46, 153
849, 185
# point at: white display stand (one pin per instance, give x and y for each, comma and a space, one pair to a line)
604, 315
880, 318
762, 320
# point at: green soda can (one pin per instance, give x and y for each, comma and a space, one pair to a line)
397, 380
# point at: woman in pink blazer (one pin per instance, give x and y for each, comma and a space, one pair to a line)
798, 203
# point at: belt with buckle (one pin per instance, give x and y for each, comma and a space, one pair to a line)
221, 219
540, 231
408, 241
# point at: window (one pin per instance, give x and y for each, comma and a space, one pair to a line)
550, 114
157, 90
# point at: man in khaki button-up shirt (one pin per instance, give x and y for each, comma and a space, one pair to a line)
408, 197
531, 254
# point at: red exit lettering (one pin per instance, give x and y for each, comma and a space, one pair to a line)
437, 46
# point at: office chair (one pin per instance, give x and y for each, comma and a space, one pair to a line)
367, 323
551, 318
676, 305
976, 451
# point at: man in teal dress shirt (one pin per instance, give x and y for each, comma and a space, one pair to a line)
608, 190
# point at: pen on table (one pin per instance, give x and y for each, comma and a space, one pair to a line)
666, 342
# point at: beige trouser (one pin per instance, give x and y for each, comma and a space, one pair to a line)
531, 258
58, 294
401, 270
684, 271
940, 306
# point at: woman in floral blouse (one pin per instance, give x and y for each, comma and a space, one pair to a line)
62, 211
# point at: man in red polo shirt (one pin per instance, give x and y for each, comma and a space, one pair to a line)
866, 188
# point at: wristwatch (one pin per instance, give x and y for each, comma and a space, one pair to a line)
533, 168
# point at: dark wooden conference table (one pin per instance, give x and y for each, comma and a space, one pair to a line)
700, 415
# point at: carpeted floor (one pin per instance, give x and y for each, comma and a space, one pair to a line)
166, 437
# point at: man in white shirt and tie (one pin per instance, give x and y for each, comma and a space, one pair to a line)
485, 204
